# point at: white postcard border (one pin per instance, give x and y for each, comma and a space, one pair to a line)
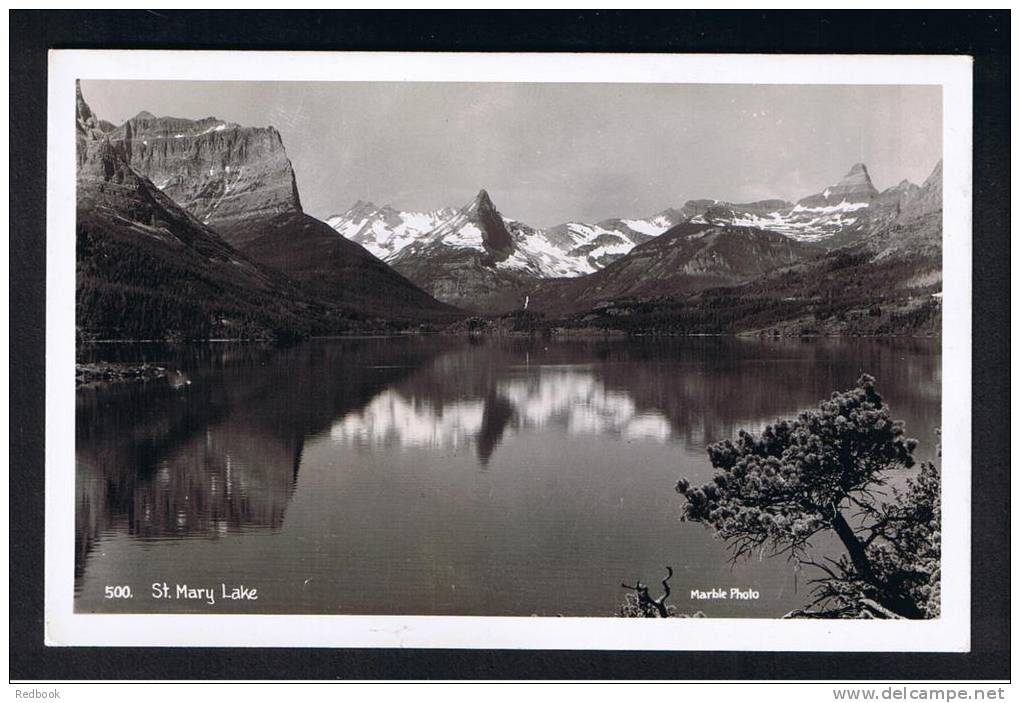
64, 627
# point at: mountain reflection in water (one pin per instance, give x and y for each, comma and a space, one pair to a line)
217, 456
573, 400
434, 476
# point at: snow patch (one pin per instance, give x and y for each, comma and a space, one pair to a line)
843, 206
651, 228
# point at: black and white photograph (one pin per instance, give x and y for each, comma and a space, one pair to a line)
509, 346
455, 361
471, 349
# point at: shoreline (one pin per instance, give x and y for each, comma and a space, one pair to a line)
100, 373
607, 334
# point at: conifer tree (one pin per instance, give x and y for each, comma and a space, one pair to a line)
825, 471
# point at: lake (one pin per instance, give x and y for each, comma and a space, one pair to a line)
436, 476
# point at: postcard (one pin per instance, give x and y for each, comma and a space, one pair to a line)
546, 351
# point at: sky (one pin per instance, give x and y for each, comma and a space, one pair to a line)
551, 153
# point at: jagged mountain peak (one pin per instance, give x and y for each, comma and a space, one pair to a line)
386, 231
854, 187
482, 202
476, 225
360, 208
899, 193
857, 178
236, 185
84, 116
88, 127
81, 107
927, 199
494, 232
219, 171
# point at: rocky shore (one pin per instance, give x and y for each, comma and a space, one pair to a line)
105, 372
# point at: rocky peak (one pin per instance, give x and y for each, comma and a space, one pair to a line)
858, 171
86, 121
482, 212
222, 173
899, 195
82, 111
359, 210
88, 128
857, 181
934, 181
927, 199
857, 178
482, 201
854, 187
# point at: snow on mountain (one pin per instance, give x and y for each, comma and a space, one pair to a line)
652, 227
800, 222
854, 187
567, 250
385, 231
477, 225
835, 216
842, 211
572, 400
591, 247
536, 252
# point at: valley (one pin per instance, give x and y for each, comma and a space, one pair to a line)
195, 229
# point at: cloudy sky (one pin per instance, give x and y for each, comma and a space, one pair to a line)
549, 153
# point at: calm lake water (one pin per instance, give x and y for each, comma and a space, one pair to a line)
439, 477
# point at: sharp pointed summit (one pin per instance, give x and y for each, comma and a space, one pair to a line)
470, 260
494, 233
482, 203
854, 187
87, 124
477, 225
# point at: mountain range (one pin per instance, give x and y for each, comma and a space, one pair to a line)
236, 186
477, 258
147, 268
195, 228
886, 281
569, 249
